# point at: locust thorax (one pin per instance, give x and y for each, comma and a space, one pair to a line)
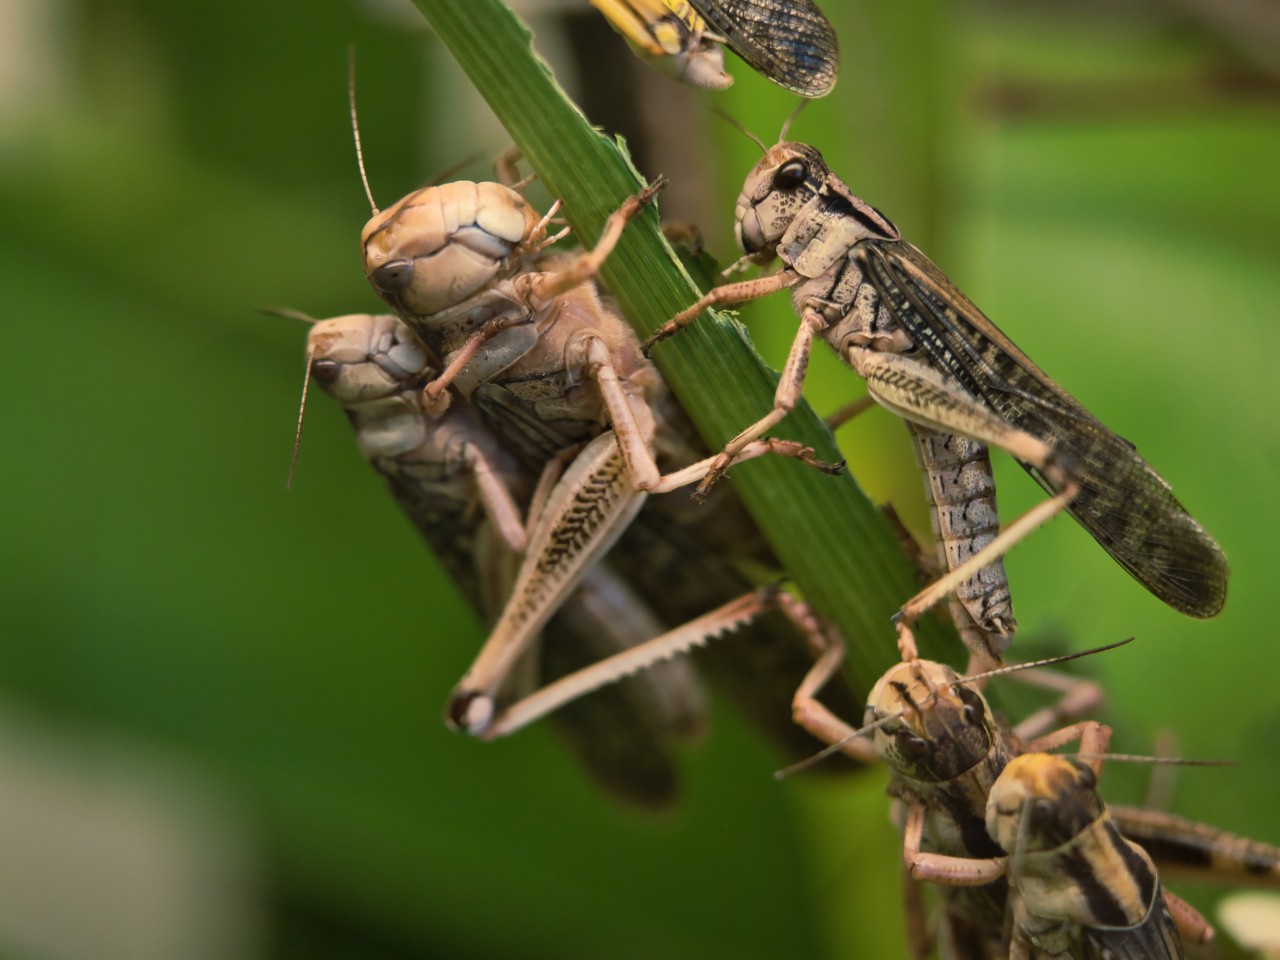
786, 178
943, 729
691, 56
700, 63
440, 245
1041, 801
374, 367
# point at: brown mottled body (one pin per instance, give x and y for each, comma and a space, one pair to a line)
961, 491
932, 357
446, 475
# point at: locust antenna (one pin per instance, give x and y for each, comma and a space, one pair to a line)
1154, 761
450, 170
724, 115
786, 124
302, 412
1031, 664
287, 313
355, 125
834, 748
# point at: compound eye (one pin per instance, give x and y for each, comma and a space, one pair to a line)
911, 746
791, 175
973, 706
1043, 813
1087, 778
393, 277
326, 371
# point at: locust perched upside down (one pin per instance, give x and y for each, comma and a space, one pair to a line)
525, 339
467, 496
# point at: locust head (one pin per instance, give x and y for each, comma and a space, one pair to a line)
941, 728
1041, 801
373, 366
440, 245
779, 186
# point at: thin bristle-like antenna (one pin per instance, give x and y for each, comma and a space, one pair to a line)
833, 749
1154, 761
448, 172
1001, 671
1024, 831
302, 412
288, 313
786, 124
355, 125
723, 115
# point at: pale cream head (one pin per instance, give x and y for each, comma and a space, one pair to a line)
440, 245
374, 367
786, 178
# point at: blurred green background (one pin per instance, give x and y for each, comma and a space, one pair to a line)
220, 703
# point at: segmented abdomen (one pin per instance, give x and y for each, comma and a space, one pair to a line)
962, 506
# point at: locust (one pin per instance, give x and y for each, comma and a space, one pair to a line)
929, 355
525, 339
1078, 887
671, 36
947, 753
789, 42
467, 496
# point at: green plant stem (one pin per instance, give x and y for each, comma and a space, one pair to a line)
838, 547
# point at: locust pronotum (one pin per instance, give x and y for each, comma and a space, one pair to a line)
466, 495
947, 753
525, 339
932, 357
787, 41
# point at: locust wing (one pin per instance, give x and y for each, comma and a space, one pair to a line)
789, 41
1124, 504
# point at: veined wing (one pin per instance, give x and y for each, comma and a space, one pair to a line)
789, 41
1156, 938
1123, 503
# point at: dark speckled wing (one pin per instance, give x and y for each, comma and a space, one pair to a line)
1156, 938
789, 41
1123, 503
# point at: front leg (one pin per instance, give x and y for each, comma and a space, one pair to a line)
811, 714
548, 286
785, 397
634, 432
729, 293
435, 395
939, 868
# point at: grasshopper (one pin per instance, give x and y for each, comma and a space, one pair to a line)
671, 36
930, 356
787, 41
1079, 888
948, 753
525, 339
466, 495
